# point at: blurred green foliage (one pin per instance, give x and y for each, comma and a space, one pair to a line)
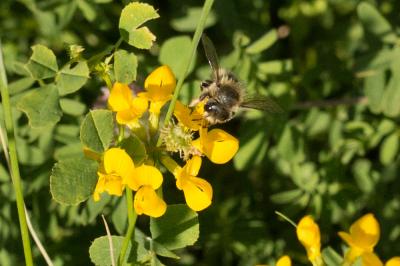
332, 64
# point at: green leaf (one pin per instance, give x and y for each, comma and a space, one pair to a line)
97, 130
72, 107
148, 246
266, 41
125, 66
253, 145
132, 17
174, 52
188, 23
20, 85
375, 23
43, 62
119, 215
72, 77
135, 148
73, 180
68, 151
177, 228
374, 87
362, 174
391, 97
99, 251
389, 148
286, 197
41, 106
331, 257
87, 9
275, 67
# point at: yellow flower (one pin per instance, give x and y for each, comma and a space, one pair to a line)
284, 261
218, 145
145, 181
198, 192
310, 237
129, 109
395, 261
116, 166
191, 119
159, 86
364, 235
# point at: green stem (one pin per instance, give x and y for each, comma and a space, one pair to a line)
121, 134
131, 226
284, 217
195, 41
15, 175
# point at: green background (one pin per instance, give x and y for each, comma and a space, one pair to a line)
333, 65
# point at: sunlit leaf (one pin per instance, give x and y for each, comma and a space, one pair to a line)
72, 77
132, 17
174, 53
375, 23
43, 62
125, 66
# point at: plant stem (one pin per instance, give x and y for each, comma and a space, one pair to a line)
15, 175
131, 226
181, 77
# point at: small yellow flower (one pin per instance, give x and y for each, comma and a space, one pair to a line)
145, 181
129, 109
309, 236
395, 261
116, 166
198, 192
218, 145
370, 259
191, 119
284, 261
364, 235
159, 86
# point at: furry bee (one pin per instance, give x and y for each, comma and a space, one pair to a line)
225, 94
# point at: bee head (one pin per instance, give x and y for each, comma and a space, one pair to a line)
215, 111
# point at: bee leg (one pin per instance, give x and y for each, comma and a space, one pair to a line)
205, 84
194, 102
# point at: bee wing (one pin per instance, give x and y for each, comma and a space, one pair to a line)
211, 55
262, 103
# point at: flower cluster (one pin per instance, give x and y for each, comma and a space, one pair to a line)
187, 134
363, 236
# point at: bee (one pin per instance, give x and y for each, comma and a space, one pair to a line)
224, 94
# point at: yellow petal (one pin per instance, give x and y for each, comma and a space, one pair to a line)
347, 238
120, 97
155, 106
100, 187
139, 105
219, 146
146, 175
114, 186
192, 166
371, 259
161, 82
365, 232
117, 162
309, 235
395, 261
284, 261
198, 192
147, 202
188, 118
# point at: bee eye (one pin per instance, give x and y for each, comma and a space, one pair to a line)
210, 106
